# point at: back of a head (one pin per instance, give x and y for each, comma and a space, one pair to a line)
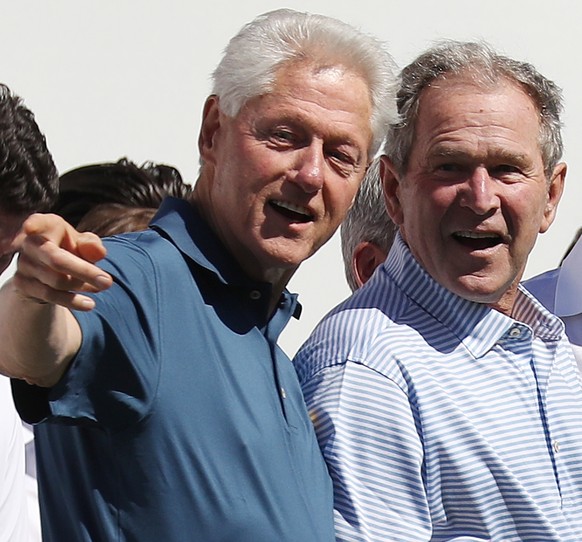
252, 58
478, 63
367, 220
113, 218
107, 190
28, 176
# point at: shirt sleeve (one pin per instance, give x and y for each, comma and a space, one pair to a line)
113, 378
370, 438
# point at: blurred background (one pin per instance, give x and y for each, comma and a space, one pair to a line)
124, 78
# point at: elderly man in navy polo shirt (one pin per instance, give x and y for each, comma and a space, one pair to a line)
167, 412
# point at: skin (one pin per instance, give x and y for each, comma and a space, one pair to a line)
474, 196
367, 256
280, 176
55, 266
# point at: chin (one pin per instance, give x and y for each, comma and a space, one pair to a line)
475, 291
287, 253
285, 262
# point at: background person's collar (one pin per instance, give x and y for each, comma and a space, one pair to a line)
569, 284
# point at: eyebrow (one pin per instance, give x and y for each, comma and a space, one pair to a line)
500, 154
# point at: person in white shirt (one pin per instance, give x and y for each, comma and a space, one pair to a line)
13, 511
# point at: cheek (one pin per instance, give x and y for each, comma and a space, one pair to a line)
338, 196
422, 205
441, 198
529, 216
533, 224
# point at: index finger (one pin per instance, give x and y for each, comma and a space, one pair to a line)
59, 268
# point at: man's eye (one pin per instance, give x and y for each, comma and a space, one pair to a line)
344, 163
504, 169
342, 157
283, 135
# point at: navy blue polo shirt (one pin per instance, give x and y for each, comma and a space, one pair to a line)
179, 419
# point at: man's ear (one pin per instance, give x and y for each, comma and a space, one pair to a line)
391, 184
555, 191
209, 129
367, 256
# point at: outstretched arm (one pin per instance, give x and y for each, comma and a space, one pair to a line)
38, 333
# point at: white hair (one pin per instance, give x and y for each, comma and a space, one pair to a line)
252, 58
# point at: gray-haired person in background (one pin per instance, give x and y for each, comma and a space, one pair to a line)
168, 412
367, 232
28, 183
446, 398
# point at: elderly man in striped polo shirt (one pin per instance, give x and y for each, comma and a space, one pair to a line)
446, 399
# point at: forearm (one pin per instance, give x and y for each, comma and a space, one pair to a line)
37, 340
56, 266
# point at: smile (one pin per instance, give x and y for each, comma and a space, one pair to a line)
477, 240
291, 211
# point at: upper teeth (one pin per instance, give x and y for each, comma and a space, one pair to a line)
292, 207
476, 235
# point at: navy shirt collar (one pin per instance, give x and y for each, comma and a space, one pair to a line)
179, 221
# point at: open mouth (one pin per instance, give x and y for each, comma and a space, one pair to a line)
477, 240
291, 211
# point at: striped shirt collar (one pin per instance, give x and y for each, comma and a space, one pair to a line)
476, 325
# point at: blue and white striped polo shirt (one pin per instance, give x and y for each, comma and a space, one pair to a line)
442, 419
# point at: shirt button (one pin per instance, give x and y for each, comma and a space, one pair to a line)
556, 446
255, 294
514, 332
283, 393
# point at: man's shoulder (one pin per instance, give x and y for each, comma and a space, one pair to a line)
138, 248
362, 323
145, 263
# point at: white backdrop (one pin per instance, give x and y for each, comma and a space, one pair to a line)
128, 78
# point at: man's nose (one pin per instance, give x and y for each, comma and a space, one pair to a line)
310, 168
479, 192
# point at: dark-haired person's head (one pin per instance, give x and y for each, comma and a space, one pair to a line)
111, 198
28, 176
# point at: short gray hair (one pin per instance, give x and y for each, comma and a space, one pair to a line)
367, 220
479, 62
252, 57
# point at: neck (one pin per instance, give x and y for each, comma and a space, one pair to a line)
506, 302
277, 290
276, 276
